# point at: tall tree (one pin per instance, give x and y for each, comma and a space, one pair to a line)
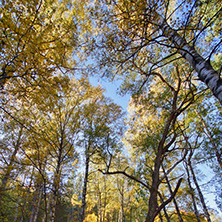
153, 132
37, 38
101, 133
159, 32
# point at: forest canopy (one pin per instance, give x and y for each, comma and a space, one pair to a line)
68, 152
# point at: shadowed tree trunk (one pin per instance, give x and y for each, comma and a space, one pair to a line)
84, 192
192, 193
171, 192
36, 204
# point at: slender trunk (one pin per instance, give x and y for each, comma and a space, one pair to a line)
122, 208
192, 193
53, 207
26, 199
121, 211
36, 204
174, 200
55, 194
120, 216
84, 192
105, 201
46, 203
39, 192
198, 189
99, 217
153, 204
45, 216
205, 71
55, 188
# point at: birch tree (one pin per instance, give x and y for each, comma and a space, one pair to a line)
159, 32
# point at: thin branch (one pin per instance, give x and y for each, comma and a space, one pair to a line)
127, 175
168, 200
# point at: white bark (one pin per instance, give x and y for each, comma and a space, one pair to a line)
205, 71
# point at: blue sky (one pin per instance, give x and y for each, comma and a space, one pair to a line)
111, 91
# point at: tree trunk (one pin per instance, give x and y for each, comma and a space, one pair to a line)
83, 206
205, 71
153, 204
198, 189
174, 200
99, 210
56, 181
45, 216
105, 201
192, 194
36, 204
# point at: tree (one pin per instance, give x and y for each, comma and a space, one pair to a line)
37, 38
101, 133
159, 32
153, 133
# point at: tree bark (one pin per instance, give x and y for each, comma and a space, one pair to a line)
153, 204
122, 217
205, 71
162, 148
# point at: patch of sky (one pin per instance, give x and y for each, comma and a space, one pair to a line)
111, 91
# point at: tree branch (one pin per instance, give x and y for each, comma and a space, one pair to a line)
168, 200
127, 175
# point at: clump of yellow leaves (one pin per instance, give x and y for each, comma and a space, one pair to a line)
36, 38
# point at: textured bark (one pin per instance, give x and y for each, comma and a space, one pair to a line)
205, 71
153, 204
162, 148
45, 215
